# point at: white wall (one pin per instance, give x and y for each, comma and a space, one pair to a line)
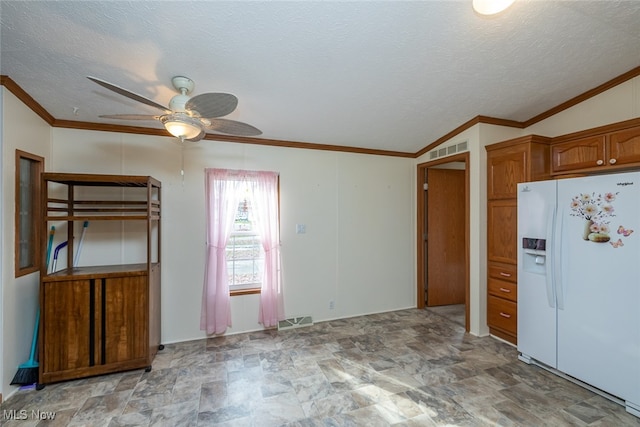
21, 129
359, 212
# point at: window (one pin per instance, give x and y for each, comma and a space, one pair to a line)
245, 254
243, 246
27, 205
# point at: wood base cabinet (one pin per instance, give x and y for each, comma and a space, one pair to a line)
95, 323
508, 163
100, 319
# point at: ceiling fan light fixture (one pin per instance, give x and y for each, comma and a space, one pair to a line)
181, 125
491, 7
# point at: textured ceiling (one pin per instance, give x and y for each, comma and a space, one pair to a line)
382, 75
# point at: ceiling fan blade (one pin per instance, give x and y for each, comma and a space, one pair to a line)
128, 94
130, 116
210, 105
233, 127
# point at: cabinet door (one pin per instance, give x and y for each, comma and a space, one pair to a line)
506, 168
66, 319
502, 219
125, 329
624, 147
580, 154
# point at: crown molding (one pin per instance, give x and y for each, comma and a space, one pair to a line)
525, 124
13, 87
635, 72
26, 99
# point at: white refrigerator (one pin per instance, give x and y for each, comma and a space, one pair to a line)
579, 281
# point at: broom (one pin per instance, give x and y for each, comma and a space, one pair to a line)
28, 371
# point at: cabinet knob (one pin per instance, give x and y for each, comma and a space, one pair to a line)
612, 161
508, 316
505, 290
600, 162
502, 273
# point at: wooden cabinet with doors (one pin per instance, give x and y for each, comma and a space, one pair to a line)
508, 163
101, 318
597, 152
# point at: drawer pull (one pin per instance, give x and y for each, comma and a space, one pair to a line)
508, 316
612, 161
600, 162
505, 290
502, 273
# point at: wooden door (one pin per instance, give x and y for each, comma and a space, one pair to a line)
445, 281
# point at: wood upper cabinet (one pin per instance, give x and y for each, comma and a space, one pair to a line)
517, 160
583, 153
506, 169
597, 153
624, 147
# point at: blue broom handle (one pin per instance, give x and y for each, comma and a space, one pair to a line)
32, 355
51, 233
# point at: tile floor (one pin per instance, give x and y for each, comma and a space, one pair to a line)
404, 368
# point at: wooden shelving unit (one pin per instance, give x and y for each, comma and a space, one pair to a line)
104, 318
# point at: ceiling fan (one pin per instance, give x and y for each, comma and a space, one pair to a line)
187, 118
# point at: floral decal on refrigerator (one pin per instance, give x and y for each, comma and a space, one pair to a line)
596, 210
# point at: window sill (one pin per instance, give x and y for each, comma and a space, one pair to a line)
239, 292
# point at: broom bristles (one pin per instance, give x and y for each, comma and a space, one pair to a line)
25, 376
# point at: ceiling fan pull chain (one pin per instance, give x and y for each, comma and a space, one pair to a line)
182, 159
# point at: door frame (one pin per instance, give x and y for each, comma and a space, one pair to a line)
421, 215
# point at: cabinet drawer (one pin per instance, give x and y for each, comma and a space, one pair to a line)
503, 289
504, 272
502, 314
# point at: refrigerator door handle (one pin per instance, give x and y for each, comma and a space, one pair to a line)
557, 260
549, 264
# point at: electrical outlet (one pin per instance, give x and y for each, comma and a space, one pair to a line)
332, 305
301, 228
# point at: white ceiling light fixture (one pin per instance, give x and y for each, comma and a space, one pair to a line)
181, 125
491, 7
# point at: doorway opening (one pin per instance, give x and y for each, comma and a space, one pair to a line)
443, 210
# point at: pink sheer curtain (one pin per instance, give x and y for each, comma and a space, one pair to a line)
264, 195
221, 194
